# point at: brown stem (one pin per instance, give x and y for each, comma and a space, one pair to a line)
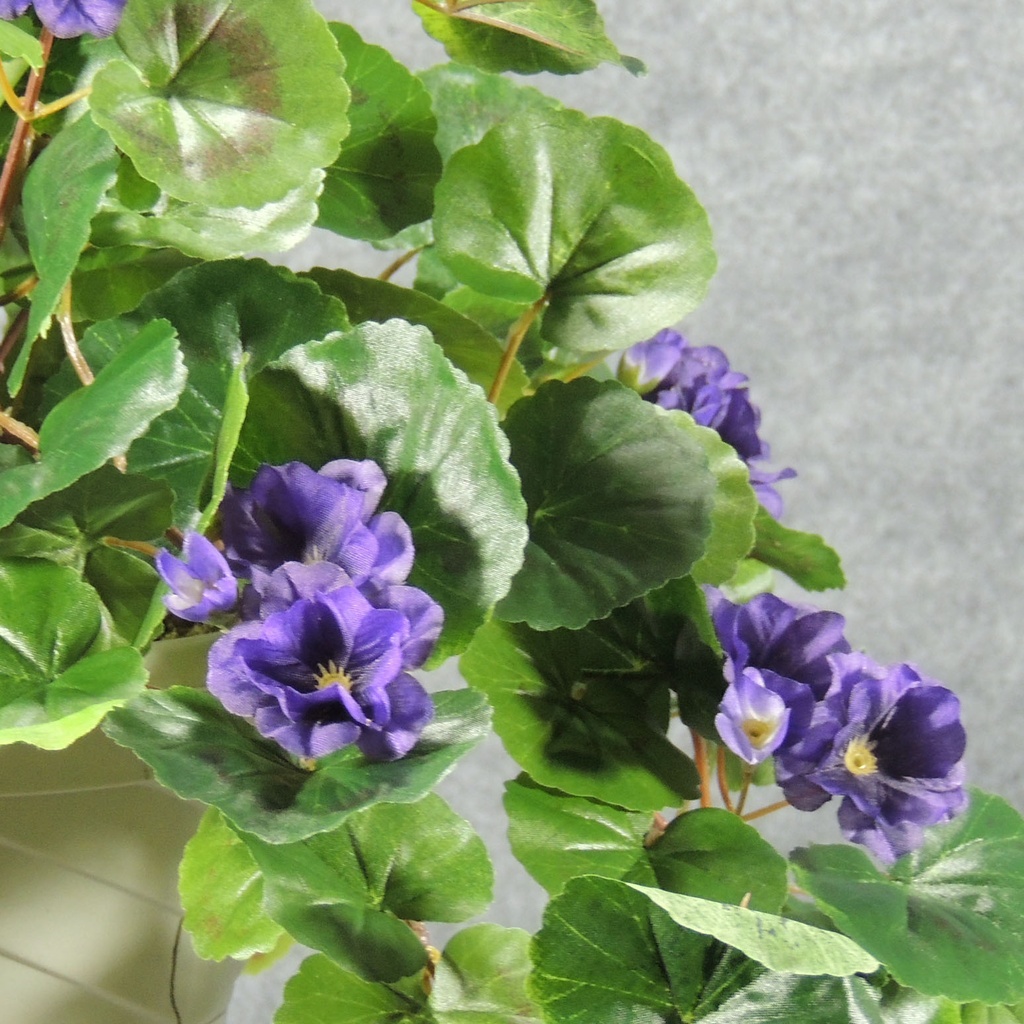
748, 777
770, 809
515, 339
22, 433
23, 290
14, 334
396, 265
21, 142
67, 332
723, 781
131, 545
700, 758
175, 536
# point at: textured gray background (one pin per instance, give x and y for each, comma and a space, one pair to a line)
861, 165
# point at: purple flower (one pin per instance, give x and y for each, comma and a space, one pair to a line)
201, 584
791, 640
889, 742
753, 719
69, 18
666, 370
325, 672
292, 513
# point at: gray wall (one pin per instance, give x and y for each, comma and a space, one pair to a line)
861, 165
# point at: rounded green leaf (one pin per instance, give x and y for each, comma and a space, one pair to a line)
202, 752
804, 557
222, 894
60, 671
603, 737
386, 392
224, 102
481, 978
796, 999
562, 36
384, 179
946, 921
588, 212
619, 495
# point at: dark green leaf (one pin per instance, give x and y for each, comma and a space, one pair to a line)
804, 557
215, 232
469, 347
597, 734
202, 752
222, 894
324, 993
60, 671
96, 423
224, 102
946, 921
619, 497
563, 36
62, 193
621, 248
384, 179
386, 392
794, 999
481, 979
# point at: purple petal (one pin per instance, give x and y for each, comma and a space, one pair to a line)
365, 476
411, 710
13, 8
69, 18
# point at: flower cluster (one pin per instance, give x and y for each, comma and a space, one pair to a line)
887, 740
329, 628
670, 372
69, 18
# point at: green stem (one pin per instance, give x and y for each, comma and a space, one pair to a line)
515, 339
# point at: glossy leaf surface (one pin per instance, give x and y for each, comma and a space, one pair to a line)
804, 557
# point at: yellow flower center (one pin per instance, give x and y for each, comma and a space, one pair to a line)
758, 731
330, 675
859, 757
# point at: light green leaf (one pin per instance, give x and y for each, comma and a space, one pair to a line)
202, 752
586, 212
946, 921
95, 423
222, 894
796, 999
60, 668
384, 179
224, 102
619, 496
387, 393
563, 36
804, 557
19, 44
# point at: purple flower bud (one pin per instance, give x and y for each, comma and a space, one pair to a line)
752, 720
292, 513
69, 18
201, 584
666, 370
889, 742
789, 639
322, 674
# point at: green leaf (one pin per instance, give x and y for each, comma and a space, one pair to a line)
472, 349
95, 423
222, 894
795, 999
349, 892
481, 979
384, 179
226, 313
905, 1006
563, 36
946, 921
214, 232
60, 671
19, 44
587, 212
62, 193
224, 102
469, 102
596, 734
387, 393
324, 993
804, 557
200, 751
978, 1013
70, 528
776, 942
732, 517
236, 402
109, 282
619, 498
